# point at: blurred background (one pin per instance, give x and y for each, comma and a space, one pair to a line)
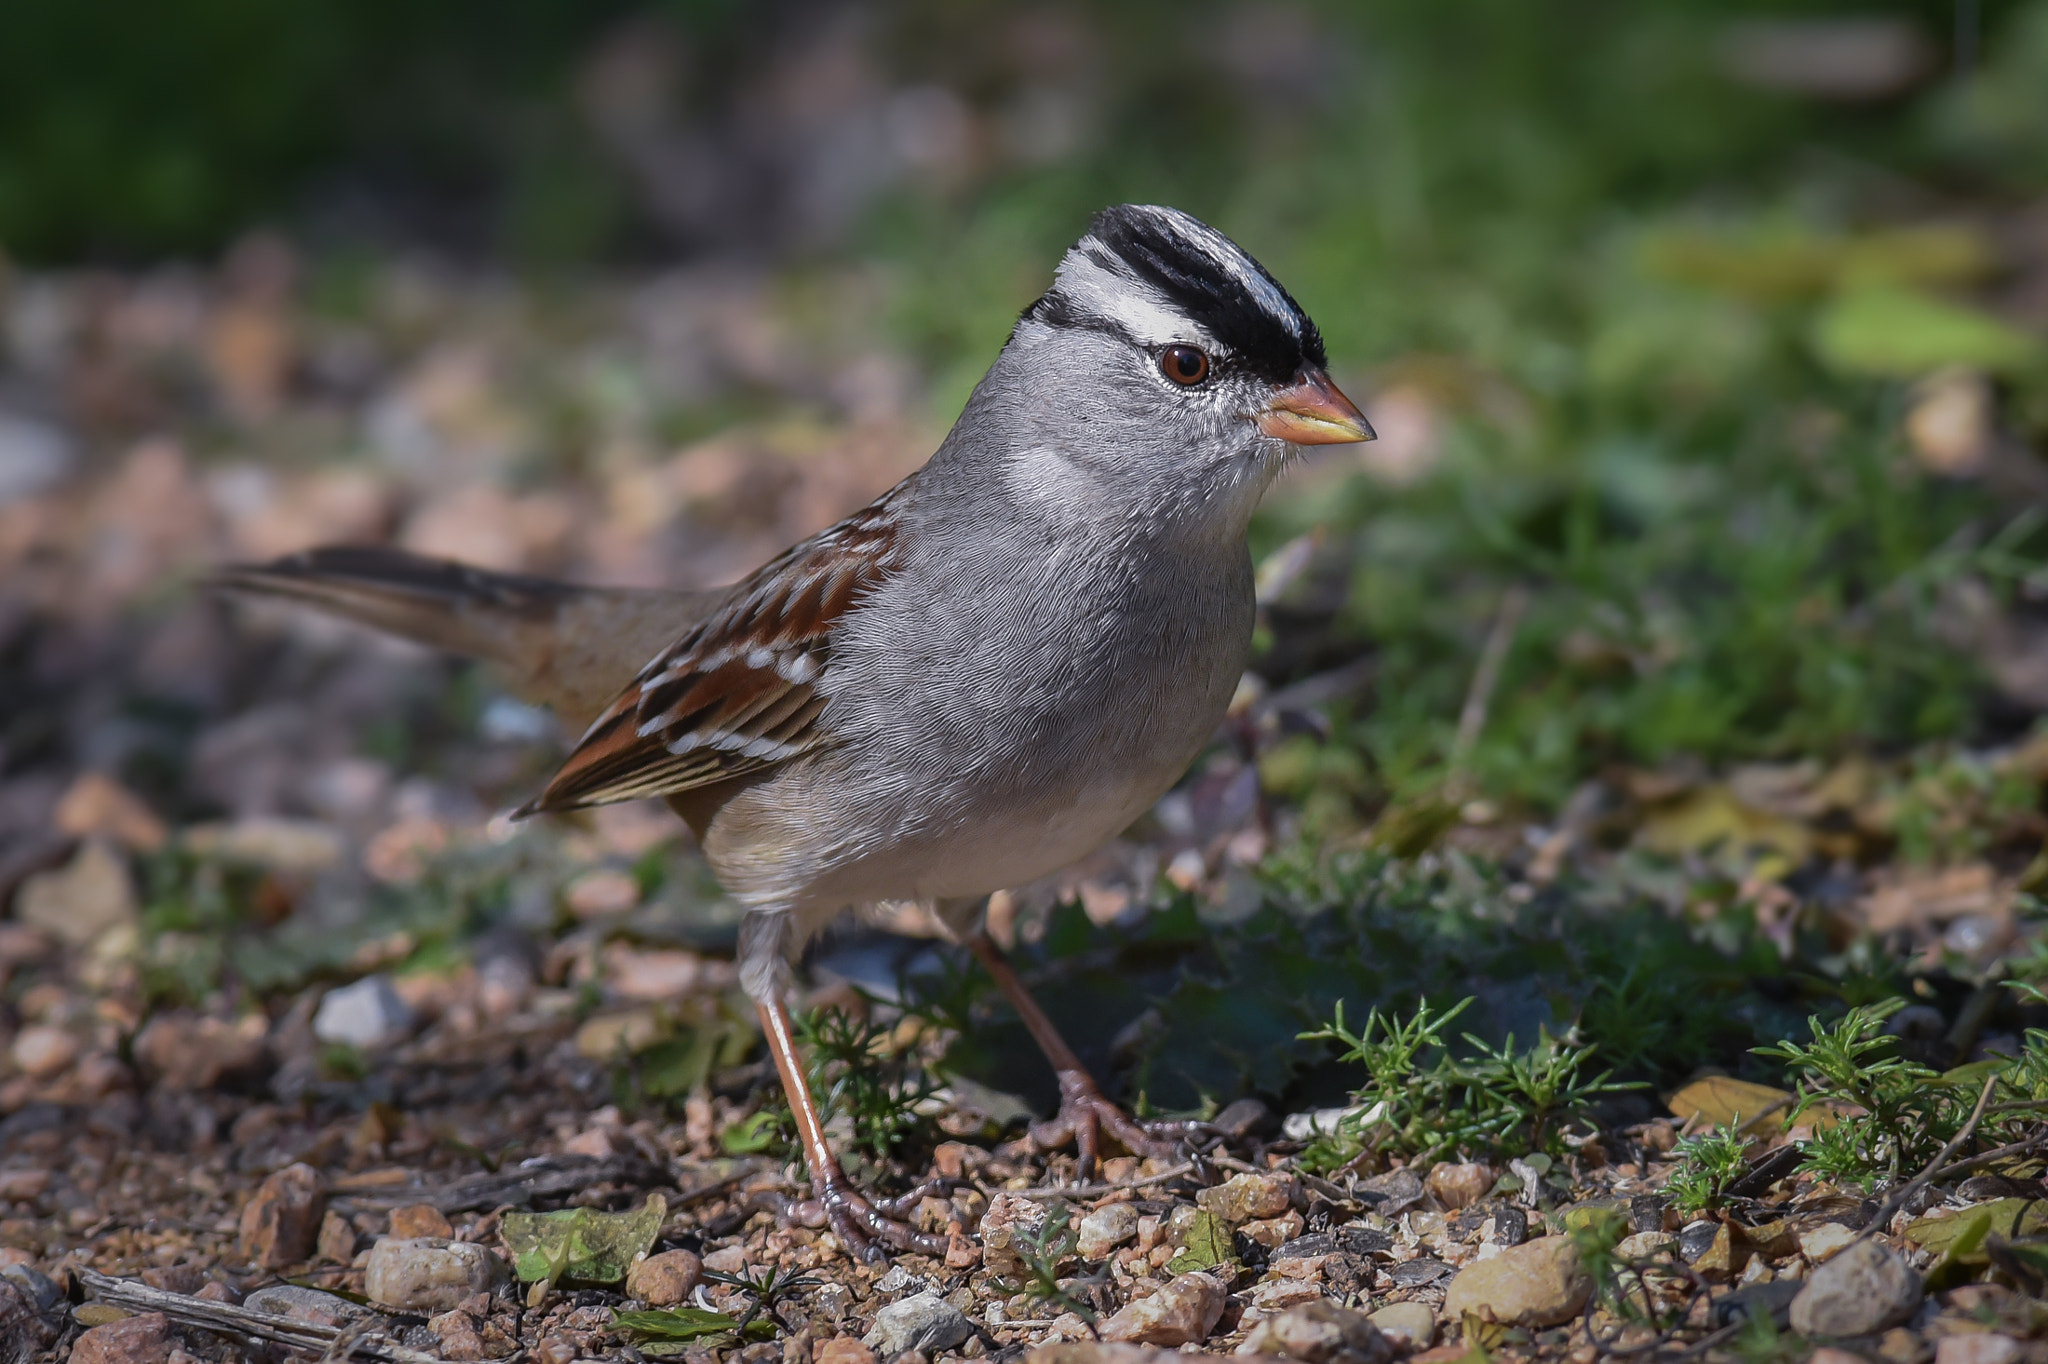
1700, 551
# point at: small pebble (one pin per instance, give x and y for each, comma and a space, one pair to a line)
429, 1274
924, 1322
666, 1279
1184, 1312
1537, 1284
1863, 1289
1408, 1326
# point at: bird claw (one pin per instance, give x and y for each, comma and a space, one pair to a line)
1085, 1115
866, 1227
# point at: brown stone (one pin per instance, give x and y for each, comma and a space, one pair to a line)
42, 1050
1538, 1284
185, 1279
20, 1186
1459, 1184
841, 1350
281, 1224
98, 805
1008, 1221
181, 1050
1184, 1312
144, 1339
468, 1335
666, 1279
337, 1243
1978, 1347
420, 1219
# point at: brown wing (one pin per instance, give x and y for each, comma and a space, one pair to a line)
739, 692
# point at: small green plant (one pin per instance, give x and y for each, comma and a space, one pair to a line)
1422, 1101
1042, 1252
765, 1293
853, 1075
1891, 1115
1708, 1164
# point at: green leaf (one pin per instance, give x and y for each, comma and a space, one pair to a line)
581, 1243
674, 1323
1962, 1234
1893, 332
752, 1135
1206, 1246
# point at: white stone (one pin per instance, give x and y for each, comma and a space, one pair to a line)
368, 1013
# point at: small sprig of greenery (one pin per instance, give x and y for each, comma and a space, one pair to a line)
765, 1292
853, 1074
1423, 1101
1908, 1112
1043, 1251
1708, 1163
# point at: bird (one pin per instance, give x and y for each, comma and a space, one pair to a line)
974, 681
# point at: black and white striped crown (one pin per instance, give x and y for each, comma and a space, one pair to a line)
1159, 276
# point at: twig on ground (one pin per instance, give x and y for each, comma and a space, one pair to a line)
340, 1342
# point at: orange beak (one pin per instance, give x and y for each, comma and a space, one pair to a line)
1310, 411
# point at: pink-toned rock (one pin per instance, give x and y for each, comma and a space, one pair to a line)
1459, 1184
1184, 1312
1274, 1232
1979, 1347
414, 1220
601, 892
19, 1186
651, 974
281, 1224
1008, 1220
144, 1339
666, 1279
841, 1350
595, 1142
186, 1051
42, 1051
337, 1241
96, 804
467, 1334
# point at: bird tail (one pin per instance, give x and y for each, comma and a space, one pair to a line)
559, 644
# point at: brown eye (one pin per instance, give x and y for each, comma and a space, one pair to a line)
1184, 365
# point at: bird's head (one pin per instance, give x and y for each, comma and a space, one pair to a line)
1166, 363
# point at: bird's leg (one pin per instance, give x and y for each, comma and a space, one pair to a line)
1085, 1114
859, 1222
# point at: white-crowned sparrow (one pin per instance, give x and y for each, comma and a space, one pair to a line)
974, 681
